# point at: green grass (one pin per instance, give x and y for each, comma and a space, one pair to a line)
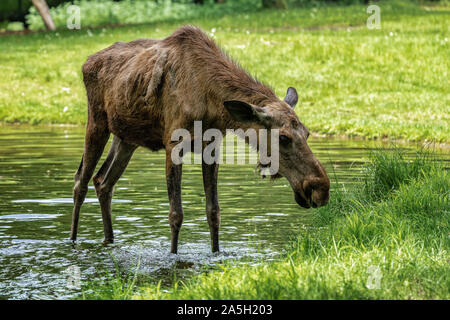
393, 246
119, 286
388, 83
386, 171
106, 12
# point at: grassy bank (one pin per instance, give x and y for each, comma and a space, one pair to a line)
385, 240
391, 82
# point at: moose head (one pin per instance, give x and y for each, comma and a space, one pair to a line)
297, 163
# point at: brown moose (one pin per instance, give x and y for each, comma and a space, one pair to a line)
143, 90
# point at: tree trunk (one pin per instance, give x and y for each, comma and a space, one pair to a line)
202, 1
42, 8
277, 4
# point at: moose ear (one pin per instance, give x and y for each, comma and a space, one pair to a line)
243, 112
291, 97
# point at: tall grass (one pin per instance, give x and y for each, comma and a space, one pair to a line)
387, 171
360, 246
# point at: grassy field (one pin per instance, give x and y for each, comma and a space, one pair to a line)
387, 240
352, 81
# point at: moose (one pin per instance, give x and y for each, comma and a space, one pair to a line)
143, 90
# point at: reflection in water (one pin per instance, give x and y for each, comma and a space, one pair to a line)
36, 180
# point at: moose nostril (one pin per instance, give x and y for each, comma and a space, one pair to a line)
314, 205
307, 189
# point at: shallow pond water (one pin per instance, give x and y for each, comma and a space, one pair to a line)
36, 179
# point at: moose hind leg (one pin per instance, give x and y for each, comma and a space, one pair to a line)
97, 135
107, 176
210, 173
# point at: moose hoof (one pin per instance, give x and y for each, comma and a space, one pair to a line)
108, 241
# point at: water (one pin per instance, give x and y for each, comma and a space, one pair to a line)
36, 179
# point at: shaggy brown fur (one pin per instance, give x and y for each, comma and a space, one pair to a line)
143, 90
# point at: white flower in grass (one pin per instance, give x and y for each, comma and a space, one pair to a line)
267, 43
65, 109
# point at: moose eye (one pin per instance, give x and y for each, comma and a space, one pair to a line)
284, 139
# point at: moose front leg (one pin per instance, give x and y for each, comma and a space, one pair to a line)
210, 173
173, 177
